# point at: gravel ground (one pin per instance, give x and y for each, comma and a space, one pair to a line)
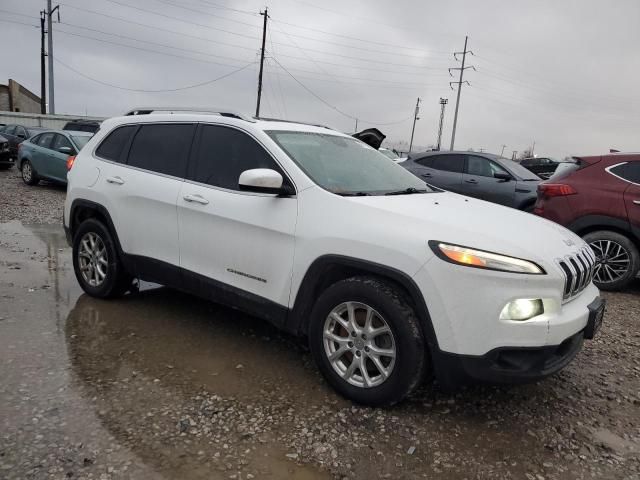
162, 385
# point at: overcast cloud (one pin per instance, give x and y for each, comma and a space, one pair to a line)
562, 73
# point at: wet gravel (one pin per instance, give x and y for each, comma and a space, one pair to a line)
161, 385
42, 203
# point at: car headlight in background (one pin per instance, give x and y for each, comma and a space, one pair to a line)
471, 257
522, 309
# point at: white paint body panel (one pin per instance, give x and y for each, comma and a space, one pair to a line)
277, 239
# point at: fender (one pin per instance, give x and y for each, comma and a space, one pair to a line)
599, 221
326, 266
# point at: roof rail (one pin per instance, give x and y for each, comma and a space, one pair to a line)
224, 112
269, 119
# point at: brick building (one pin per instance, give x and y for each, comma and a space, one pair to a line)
16, 98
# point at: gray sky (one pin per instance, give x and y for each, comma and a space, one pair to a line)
562, 73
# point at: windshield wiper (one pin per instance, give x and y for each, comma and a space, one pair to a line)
354, 194
408, 191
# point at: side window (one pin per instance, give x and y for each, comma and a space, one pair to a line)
35, 140
162, 148
223, 153
449, 163
9, 129
20, 132
45, 140
632, 173
479, 166
113, 146
425, 161
60, 141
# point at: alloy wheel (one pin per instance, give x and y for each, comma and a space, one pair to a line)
93, 259
612, 261
27, 172
359, 344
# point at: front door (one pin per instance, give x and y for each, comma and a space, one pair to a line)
57, 159
480, 182
232, 241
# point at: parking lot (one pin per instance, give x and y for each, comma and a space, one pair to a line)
163, 385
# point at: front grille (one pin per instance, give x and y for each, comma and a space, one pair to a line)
578, 271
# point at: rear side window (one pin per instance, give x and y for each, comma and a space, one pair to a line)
35, 139
162, 148
60, 141
425, 161
449, 163
632, 173
224, 153
113, 146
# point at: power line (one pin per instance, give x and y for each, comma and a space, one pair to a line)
204, 13
333, 107
119, 87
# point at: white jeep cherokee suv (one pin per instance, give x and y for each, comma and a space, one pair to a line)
390, 279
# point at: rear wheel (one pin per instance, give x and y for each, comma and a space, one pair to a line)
366, 340
29, 175
617, 259
96, 264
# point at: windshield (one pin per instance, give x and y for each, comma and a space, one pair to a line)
80, 141
344, 165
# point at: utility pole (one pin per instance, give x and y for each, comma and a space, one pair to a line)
533, 149
415, 118
43, 81
502, 152
356, 130
514, 156
443, 103
459, 82
265, 14
49, 13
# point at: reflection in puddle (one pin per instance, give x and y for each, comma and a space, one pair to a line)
190, 386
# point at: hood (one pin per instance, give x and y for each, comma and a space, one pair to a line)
469, 222
371, 136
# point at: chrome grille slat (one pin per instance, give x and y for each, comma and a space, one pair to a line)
578, 269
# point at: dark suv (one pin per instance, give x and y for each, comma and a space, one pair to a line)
16, 134
599, 199
543, 167
480, 175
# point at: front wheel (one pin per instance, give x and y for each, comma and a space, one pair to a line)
366, 340
96, 264
29, 175
617, 259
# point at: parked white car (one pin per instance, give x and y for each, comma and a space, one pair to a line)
320, 234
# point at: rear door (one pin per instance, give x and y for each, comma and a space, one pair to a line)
40, 153
141, 177
632, 195
442, 171
479, 181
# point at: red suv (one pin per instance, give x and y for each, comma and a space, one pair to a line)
599, 199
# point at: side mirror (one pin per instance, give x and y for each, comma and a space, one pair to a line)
263, 180
502, 176
22, 136
65, 150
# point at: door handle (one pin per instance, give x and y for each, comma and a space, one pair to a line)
426, 175
637, 202
115, 180
196, 198
472, 180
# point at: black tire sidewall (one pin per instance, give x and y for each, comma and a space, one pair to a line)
411, 354
628, 245
111, 284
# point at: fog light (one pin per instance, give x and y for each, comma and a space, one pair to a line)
522, 309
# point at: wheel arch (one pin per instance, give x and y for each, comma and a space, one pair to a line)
593, 223
329, 269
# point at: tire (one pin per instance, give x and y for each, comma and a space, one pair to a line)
389, 307
29, 174
610, 275
115, 281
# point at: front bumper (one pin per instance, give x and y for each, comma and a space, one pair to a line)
514, 365
6, 158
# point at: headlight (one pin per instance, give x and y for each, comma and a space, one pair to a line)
471, 257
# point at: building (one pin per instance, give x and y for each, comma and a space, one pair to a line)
16, 98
